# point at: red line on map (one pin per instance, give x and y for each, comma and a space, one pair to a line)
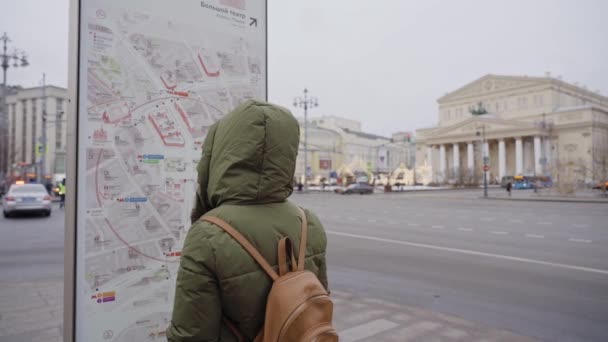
184, 116
166, 85
104, 103
209, 74
162, 136
179, 93
102, 83
106, 118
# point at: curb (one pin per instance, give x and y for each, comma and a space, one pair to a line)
558, 200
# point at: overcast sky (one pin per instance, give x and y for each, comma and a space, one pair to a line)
382, 62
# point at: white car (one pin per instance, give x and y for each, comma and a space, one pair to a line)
26, 198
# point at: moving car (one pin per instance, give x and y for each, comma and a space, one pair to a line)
358, 188
26, 198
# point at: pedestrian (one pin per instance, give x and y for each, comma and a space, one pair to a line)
509, 185
244, 179
62, 194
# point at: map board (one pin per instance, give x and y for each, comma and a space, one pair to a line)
152, 76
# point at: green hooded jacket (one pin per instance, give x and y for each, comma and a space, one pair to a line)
245, 177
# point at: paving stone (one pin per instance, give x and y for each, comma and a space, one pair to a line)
33, 312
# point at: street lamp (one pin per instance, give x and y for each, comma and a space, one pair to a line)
485, 159
19, 60
305, 102
43, 139
546, 127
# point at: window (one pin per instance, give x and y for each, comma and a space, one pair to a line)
58, 130
522, 102
497, 107
13, 136
59, 124
34, 129
59, 106
23, 129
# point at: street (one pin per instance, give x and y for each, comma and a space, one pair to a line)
539, 269
31, 247
534, 268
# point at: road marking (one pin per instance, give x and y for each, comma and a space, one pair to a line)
500, 232
413, 224
580, 240
580, 225
465, 229
516, 221
438, 227
544, 223
366, 330
371, 221
535, 236
352, 218
488, 219
470, 252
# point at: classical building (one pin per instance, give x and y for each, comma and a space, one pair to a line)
526, 126
338, 145
25, 127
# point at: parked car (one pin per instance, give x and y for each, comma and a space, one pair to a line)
600, 186
26, 198
357, 188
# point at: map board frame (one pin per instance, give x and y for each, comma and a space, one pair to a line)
74, 207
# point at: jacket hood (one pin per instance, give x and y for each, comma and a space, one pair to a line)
249, 157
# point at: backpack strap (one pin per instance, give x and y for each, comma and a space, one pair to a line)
303, 238
245, 243
286, 249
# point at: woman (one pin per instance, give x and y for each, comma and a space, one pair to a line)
245, 177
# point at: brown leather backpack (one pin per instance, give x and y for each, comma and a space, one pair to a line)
298, 308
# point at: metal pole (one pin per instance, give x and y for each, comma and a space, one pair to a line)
485, 173
44, 119
4, 119
305, 103
305, 140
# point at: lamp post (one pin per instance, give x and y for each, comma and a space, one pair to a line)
43, 139
305, 102
546, 127
481, 110
17, 62
485, 159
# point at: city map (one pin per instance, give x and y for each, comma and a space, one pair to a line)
153, 79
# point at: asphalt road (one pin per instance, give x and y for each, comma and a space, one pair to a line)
31, 247
539, 269
536, 268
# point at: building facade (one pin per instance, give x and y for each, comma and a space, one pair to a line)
528, 126
337, 147
25, 132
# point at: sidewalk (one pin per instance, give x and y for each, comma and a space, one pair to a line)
529, 195
32, 312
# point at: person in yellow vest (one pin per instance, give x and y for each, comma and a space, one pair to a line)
62, 193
